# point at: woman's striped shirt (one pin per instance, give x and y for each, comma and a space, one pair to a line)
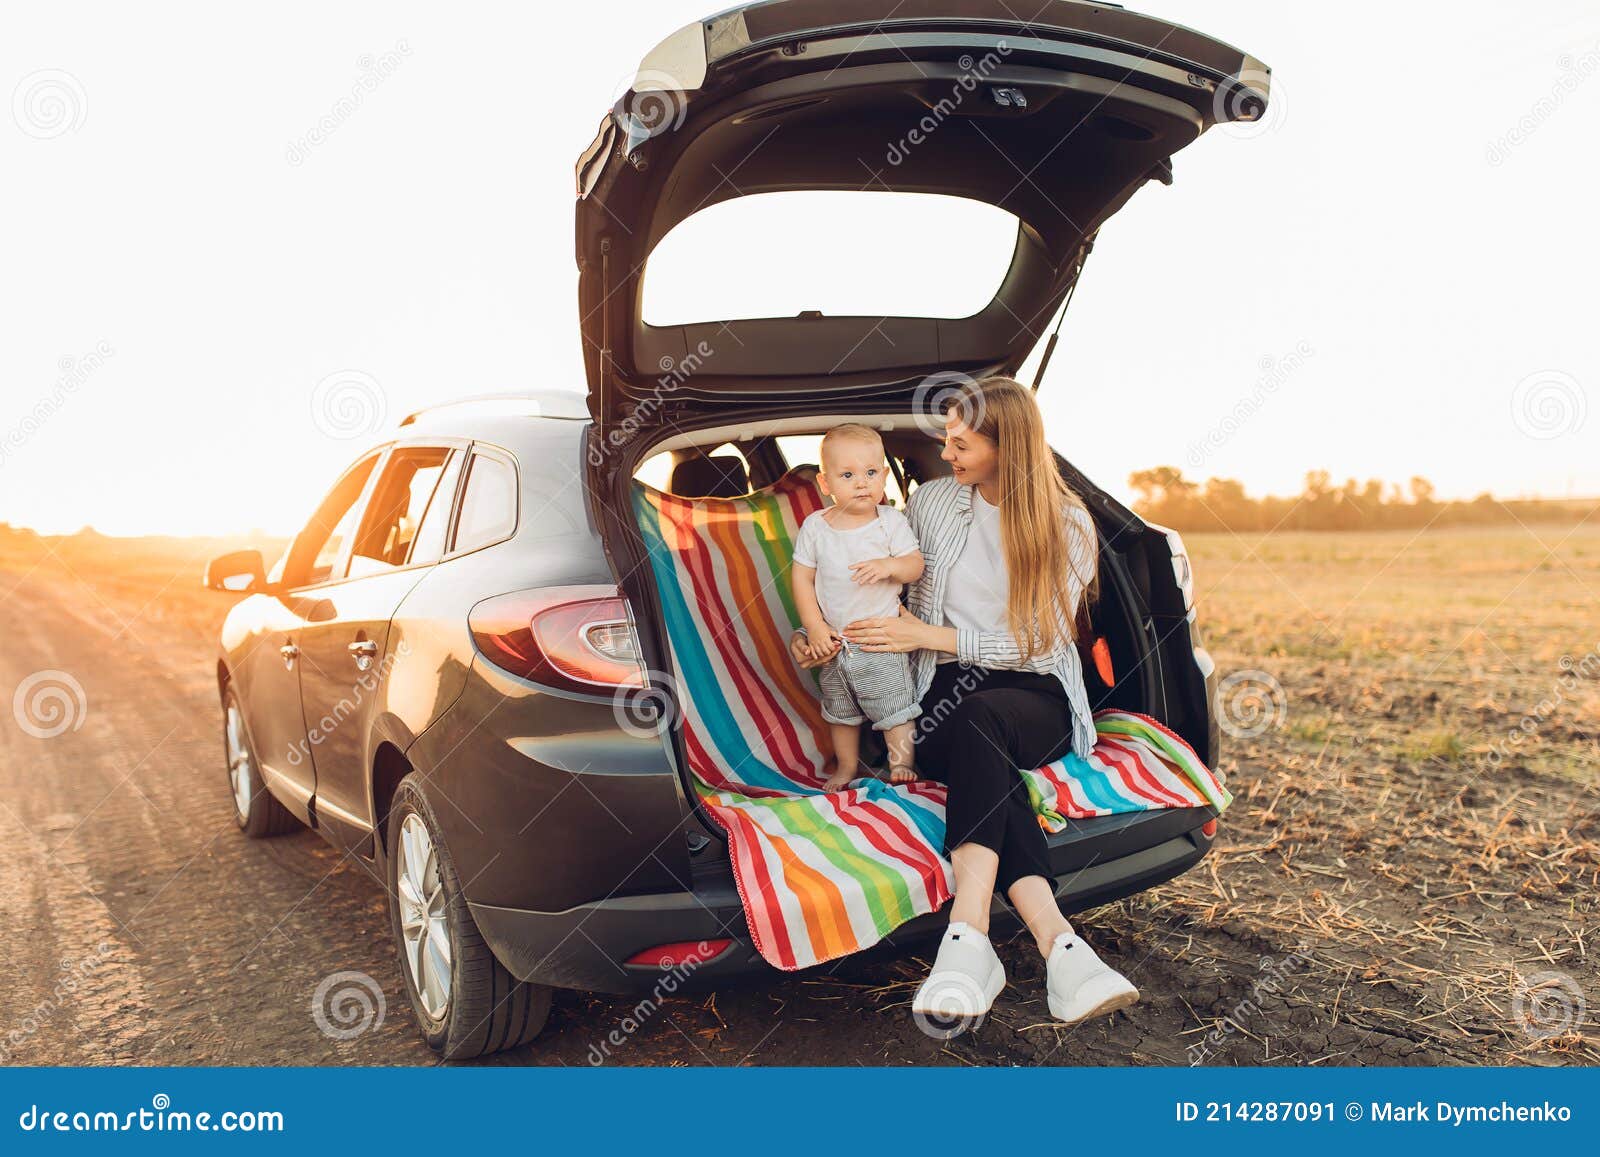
940, 511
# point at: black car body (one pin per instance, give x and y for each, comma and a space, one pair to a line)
403, 680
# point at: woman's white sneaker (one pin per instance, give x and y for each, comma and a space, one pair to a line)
1080, 985
966, 977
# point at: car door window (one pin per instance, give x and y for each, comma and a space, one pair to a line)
318, 548
489, 502
395, 513
429, 544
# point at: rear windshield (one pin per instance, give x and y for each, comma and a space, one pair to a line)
841, 253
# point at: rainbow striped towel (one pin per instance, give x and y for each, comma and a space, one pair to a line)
823, 875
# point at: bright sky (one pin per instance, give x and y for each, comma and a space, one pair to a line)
1395, 275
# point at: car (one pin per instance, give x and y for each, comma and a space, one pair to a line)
443, 673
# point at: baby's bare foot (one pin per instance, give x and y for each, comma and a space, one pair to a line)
902, 774
838, 777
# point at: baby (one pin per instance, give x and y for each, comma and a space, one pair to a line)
850, 561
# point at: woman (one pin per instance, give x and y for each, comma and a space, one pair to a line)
1010, 551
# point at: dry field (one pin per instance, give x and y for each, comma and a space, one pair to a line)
1408, 875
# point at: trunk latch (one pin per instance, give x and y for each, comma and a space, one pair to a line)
1009, 97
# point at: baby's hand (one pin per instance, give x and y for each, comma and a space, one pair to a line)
873, 570
821, 640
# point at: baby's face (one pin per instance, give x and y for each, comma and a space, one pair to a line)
854, 475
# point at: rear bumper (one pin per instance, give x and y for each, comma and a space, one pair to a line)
585, 947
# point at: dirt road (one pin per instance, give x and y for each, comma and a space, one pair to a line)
1364, 907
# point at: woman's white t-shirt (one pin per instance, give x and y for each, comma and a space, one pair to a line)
976, 592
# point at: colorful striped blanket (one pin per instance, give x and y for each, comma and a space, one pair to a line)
823, 875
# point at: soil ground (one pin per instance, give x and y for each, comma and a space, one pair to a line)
1408, 875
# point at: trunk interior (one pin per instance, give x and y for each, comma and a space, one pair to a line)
1138, 610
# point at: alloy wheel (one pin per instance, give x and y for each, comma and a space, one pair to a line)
423, 924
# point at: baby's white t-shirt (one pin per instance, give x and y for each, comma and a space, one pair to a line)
831, 551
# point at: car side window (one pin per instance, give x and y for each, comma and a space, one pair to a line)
488, 502
318, 548
394, 514
429, 543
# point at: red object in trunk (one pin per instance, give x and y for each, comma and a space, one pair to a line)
1102, 661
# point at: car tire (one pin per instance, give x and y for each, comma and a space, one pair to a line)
475, 1007
255, 809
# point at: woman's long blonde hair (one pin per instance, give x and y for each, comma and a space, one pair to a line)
1035, 502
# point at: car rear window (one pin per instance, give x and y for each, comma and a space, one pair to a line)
489, 503
842, 253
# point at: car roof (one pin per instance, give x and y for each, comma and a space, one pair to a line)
480, 414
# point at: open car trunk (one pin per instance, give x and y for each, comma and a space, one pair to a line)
1139, 613
825, 874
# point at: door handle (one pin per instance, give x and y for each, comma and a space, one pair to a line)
290, 653
363, 652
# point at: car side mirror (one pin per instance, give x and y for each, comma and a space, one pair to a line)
242, 571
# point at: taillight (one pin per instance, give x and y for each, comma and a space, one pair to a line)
579, 638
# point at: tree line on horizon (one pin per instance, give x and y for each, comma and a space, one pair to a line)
1163, 495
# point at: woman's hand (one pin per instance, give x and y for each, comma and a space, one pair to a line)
904, 632
800, 651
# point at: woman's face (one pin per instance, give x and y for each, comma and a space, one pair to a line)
971, 456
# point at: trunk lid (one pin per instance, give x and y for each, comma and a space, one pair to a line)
1057, 120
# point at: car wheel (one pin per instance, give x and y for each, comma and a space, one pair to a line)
465, 1002
257, 812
